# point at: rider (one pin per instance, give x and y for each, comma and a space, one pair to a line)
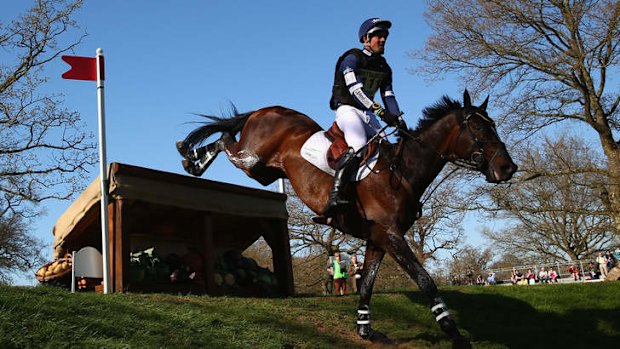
358, 76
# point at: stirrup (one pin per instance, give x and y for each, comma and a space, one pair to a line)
322, 220
332, 208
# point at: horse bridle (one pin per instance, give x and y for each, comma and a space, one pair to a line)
476, 160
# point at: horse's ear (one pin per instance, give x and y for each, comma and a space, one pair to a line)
466, 99
484, 104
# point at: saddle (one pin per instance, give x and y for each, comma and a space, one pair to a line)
339, 146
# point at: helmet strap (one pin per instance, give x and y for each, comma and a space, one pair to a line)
367, 44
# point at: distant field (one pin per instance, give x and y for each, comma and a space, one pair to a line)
544, 316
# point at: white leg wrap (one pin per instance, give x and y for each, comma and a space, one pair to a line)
442, 315
363, 316
440, 310
437, 306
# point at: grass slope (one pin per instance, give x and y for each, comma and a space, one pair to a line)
546, 316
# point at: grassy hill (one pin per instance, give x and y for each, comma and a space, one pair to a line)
545, 316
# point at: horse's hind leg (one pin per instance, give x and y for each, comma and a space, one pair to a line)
196, 161
372, 261
251, 159
400, 251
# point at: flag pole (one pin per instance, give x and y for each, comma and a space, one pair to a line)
103, 174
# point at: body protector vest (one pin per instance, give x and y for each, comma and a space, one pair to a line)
372, 71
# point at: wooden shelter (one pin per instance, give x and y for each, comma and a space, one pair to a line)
174, 214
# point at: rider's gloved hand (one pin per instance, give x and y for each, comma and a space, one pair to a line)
395, 120
378, 110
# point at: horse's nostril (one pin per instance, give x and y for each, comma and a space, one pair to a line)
509, 169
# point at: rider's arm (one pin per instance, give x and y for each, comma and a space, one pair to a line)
347, 68
388, 97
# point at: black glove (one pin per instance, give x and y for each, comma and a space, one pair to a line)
395, 120
390, 119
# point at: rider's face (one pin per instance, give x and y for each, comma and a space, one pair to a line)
376, 42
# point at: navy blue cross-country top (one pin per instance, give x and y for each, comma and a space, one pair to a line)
359, 75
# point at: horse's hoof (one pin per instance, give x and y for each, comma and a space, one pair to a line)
461, 343
182, 148
190, 168
364, 331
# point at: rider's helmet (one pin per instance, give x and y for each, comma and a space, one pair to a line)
371, 25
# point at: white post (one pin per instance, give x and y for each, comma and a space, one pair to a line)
73, 272
281, 185
103, 174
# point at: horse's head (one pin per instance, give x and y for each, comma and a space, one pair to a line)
477, 144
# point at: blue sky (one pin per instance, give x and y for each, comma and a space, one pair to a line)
166, 60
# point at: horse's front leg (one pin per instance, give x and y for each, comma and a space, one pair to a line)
400, 251
372, 261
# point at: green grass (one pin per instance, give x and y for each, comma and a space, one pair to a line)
546, 316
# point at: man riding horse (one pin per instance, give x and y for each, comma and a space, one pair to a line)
358, 76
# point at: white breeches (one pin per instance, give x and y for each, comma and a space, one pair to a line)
357, 125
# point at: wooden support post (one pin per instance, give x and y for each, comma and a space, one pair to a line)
276, 235
120, 241
209, 254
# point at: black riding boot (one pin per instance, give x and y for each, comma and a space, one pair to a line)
196, 161
347, 166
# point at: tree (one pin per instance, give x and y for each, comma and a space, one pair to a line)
18, 250
561, 215
468, 263
44, 152
546, 61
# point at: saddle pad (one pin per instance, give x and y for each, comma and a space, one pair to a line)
314, 151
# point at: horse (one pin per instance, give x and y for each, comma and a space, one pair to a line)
386, 202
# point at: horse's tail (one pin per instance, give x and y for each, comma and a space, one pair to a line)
232, 125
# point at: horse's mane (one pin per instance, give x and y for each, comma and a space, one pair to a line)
435, 112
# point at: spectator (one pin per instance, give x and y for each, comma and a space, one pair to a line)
602, 264
355, 269
338, 269
611, 261
531, 277
553, 276
592, 271
491, 279
328, 284
517, 277
574, 271
543, 275
617, 253
470, 276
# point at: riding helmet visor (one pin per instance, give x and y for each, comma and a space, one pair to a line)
373, 25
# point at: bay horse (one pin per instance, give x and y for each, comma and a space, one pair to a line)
387, 202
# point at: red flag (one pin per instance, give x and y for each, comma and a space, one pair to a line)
82, 68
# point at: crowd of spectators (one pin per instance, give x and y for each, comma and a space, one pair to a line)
595, 269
